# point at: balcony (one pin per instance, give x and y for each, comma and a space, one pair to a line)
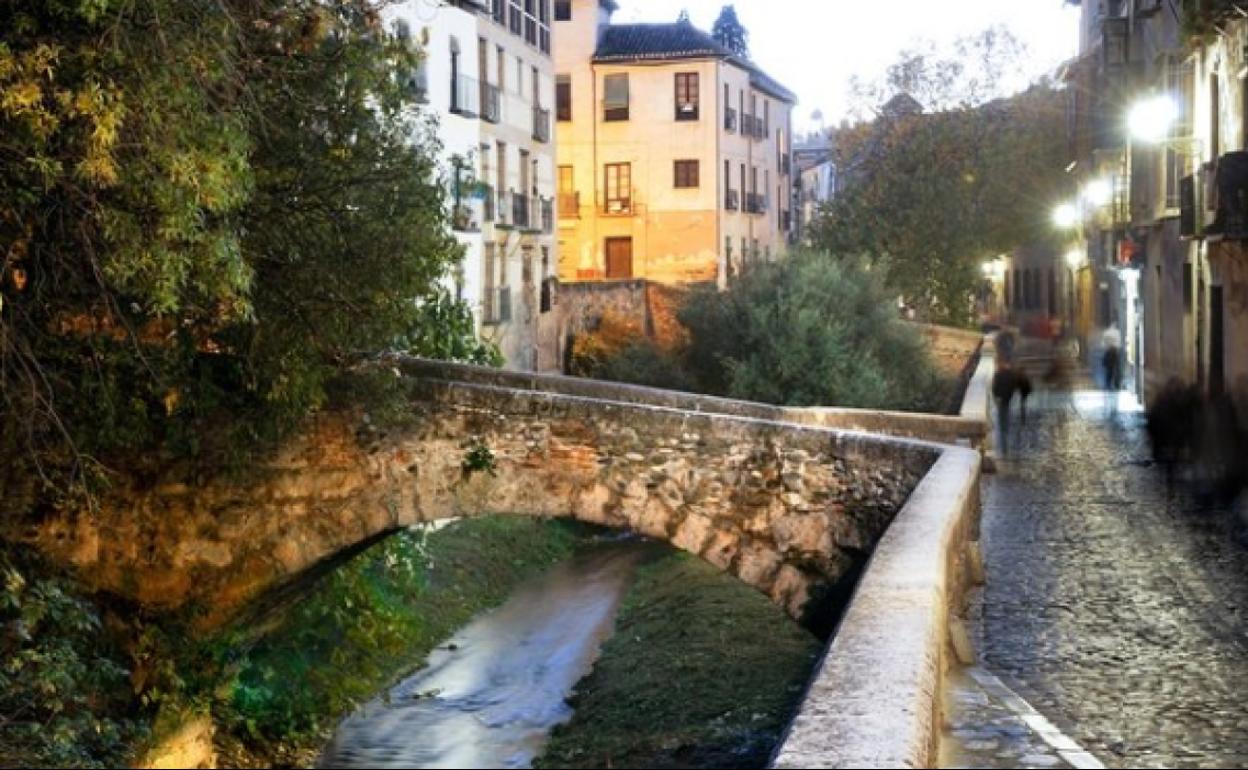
466, 97
730, 119
618, 206
496, 308
785, 164
569, 205
1230, 198
466, 216
755, 203
541, 125
491, 110
786, 221
732, 200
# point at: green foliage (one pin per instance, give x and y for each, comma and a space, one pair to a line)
479, 459
208, 213
729, 32
371, 622
702, 671
445, 330
641, 362
928, 198
811, 331
65, 699
1202, 17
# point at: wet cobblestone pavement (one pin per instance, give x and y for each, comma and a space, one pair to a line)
1117, 608
985, 733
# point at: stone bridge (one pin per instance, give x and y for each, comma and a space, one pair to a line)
769, 494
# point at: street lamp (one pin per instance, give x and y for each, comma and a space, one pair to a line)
1151, 119
1066, 216
1098, 193
1074, 259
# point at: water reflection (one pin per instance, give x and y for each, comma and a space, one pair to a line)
490, 696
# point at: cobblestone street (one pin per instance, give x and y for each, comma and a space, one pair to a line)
1116, 608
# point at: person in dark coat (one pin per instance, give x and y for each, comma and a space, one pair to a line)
1008, 381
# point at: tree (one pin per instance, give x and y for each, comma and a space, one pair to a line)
729, 32
976, 69
208, 215
928, 196
814, 330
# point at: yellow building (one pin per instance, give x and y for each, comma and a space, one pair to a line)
673, 153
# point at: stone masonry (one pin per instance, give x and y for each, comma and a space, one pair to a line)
782, 506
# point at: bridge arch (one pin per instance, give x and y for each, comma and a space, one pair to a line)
782, 506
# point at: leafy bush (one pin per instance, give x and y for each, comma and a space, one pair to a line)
65, 698
811, 331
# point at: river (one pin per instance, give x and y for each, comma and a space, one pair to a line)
490, 695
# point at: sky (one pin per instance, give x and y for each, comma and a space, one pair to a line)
814, 46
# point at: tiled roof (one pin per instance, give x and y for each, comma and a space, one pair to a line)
627, 42
677, 40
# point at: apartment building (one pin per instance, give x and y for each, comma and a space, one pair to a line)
1157, 123
488, 76
674, 159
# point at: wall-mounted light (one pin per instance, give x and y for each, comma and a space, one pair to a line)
1066, 216
1151, 119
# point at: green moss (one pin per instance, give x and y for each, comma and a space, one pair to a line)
370, 623
702, 672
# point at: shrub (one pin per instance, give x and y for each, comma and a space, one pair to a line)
811, 331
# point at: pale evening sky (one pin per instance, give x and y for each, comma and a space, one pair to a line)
814, 46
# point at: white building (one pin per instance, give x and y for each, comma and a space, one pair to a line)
487, 74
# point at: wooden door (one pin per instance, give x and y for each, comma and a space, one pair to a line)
619, 257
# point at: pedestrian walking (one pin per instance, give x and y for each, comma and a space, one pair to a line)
1007, 382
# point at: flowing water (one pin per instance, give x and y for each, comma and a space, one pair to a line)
490, 696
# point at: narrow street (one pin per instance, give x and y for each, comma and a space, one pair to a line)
1114, 607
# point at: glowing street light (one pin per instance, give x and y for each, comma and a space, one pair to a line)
1098, 192
1151, 119
1074, 259
1066, 216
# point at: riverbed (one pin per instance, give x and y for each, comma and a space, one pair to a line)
490, 696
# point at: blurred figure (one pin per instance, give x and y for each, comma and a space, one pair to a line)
1172, 421
1008, 381
1005, 347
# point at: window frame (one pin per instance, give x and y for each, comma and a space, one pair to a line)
686, 174
616, 114
563, 98
690, 84
622, 182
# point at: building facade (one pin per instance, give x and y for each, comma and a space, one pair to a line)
674, 160
814, 182
487, 74
1157, 118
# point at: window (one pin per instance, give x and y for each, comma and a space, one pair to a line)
563, 10
500, 11
686, 173
619, 187
515, 17
686, 96
563, 97
569, 204
619, 257
615, 101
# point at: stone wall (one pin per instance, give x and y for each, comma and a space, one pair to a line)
875, 699
782, 506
